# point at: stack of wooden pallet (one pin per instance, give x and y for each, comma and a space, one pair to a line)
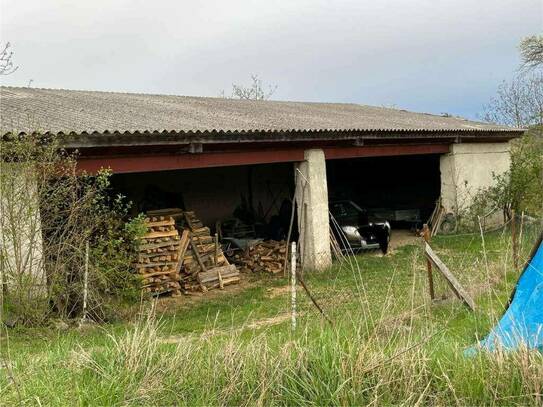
204, 265
158, 258
268, 256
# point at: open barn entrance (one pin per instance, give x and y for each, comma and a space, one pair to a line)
207, 228
402, 190
251, 201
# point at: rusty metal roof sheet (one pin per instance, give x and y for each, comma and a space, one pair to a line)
27, 110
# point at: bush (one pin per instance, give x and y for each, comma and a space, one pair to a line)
50, 213
521, 188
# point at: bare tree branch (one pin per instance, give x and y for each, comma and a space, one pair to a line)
6, 63
255, 91
518, 103
531, 51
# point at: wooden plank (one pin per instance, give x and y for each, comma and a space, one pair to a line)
213, 274
201, 231
200, 262
152, 246
435, 227
143, 256
451, 279
161, 263
426, 236
197, 255
226, 281
154, 235
168, 222
216, 257
175, 213
188, 220
156, 273
183, 246
203, 239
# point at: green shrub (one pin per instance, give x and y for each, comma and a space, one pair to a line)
50, 213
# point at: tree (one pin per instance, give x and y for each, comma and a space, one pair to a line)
255, 91
6, 64
518, 103
49, 214
531, 51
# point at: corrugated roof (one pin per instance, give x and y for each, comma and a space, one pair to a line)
26, 110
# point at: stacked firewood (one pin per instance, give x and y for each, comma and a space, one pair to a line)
268, 256
204, 265
158, 258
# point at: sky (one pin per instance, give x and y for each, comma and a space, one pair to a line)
435, 56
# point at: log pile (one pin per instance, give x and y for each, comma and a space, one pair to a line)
268, 257
204, 266
158, 258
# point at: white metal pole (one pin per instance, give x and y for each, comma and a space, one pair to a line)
85, 281
293, 283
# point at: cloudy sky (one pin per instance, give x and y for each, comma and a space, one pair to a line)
424, 55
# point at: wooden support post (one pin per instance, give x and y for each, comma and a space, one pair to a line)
216, 257
293, 284
514, 239
200, 262
183, 246
451, 279
426, 236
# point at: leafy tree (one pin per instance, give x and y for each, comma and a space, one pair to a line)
521, 188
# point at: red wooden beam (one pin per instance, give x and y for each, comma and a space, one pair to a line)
163, 162
333, 153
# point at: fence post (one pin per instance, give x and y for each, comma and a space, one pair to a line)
426, 235
85, 282
514, 239
293, 283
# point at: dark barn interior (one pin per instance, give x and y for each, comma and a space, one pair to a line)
394, 188
255, 195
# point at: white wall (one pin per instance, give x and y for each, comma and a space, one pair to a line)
469, 167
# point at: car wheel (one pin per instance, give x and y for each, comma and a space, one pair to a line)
448, 225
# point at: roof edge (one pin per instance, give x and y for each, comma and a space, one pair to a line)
137, 138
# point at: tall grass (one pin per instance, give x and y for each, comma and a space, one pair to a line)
410, 354
321, 366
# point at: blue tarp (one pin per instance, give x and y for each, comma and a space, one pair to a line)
522, 322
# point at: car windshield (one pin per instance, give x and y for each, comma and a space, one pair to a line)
345, 211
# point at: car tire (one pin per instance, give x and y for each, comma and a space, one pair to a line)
448, 224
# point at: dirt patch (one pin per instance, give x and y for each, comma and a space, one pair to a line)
167, 305
260, 323
402, 237
275, 292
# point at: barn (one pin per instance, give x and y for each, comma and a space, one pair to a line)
246, 159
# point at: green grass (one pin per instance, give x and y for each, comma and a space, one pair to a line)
388, 344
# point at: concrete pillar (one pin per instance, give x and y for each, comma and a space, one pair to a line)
467, 168
313, 215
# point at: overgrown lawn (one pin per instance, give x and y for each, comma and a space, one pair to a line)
387, 344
